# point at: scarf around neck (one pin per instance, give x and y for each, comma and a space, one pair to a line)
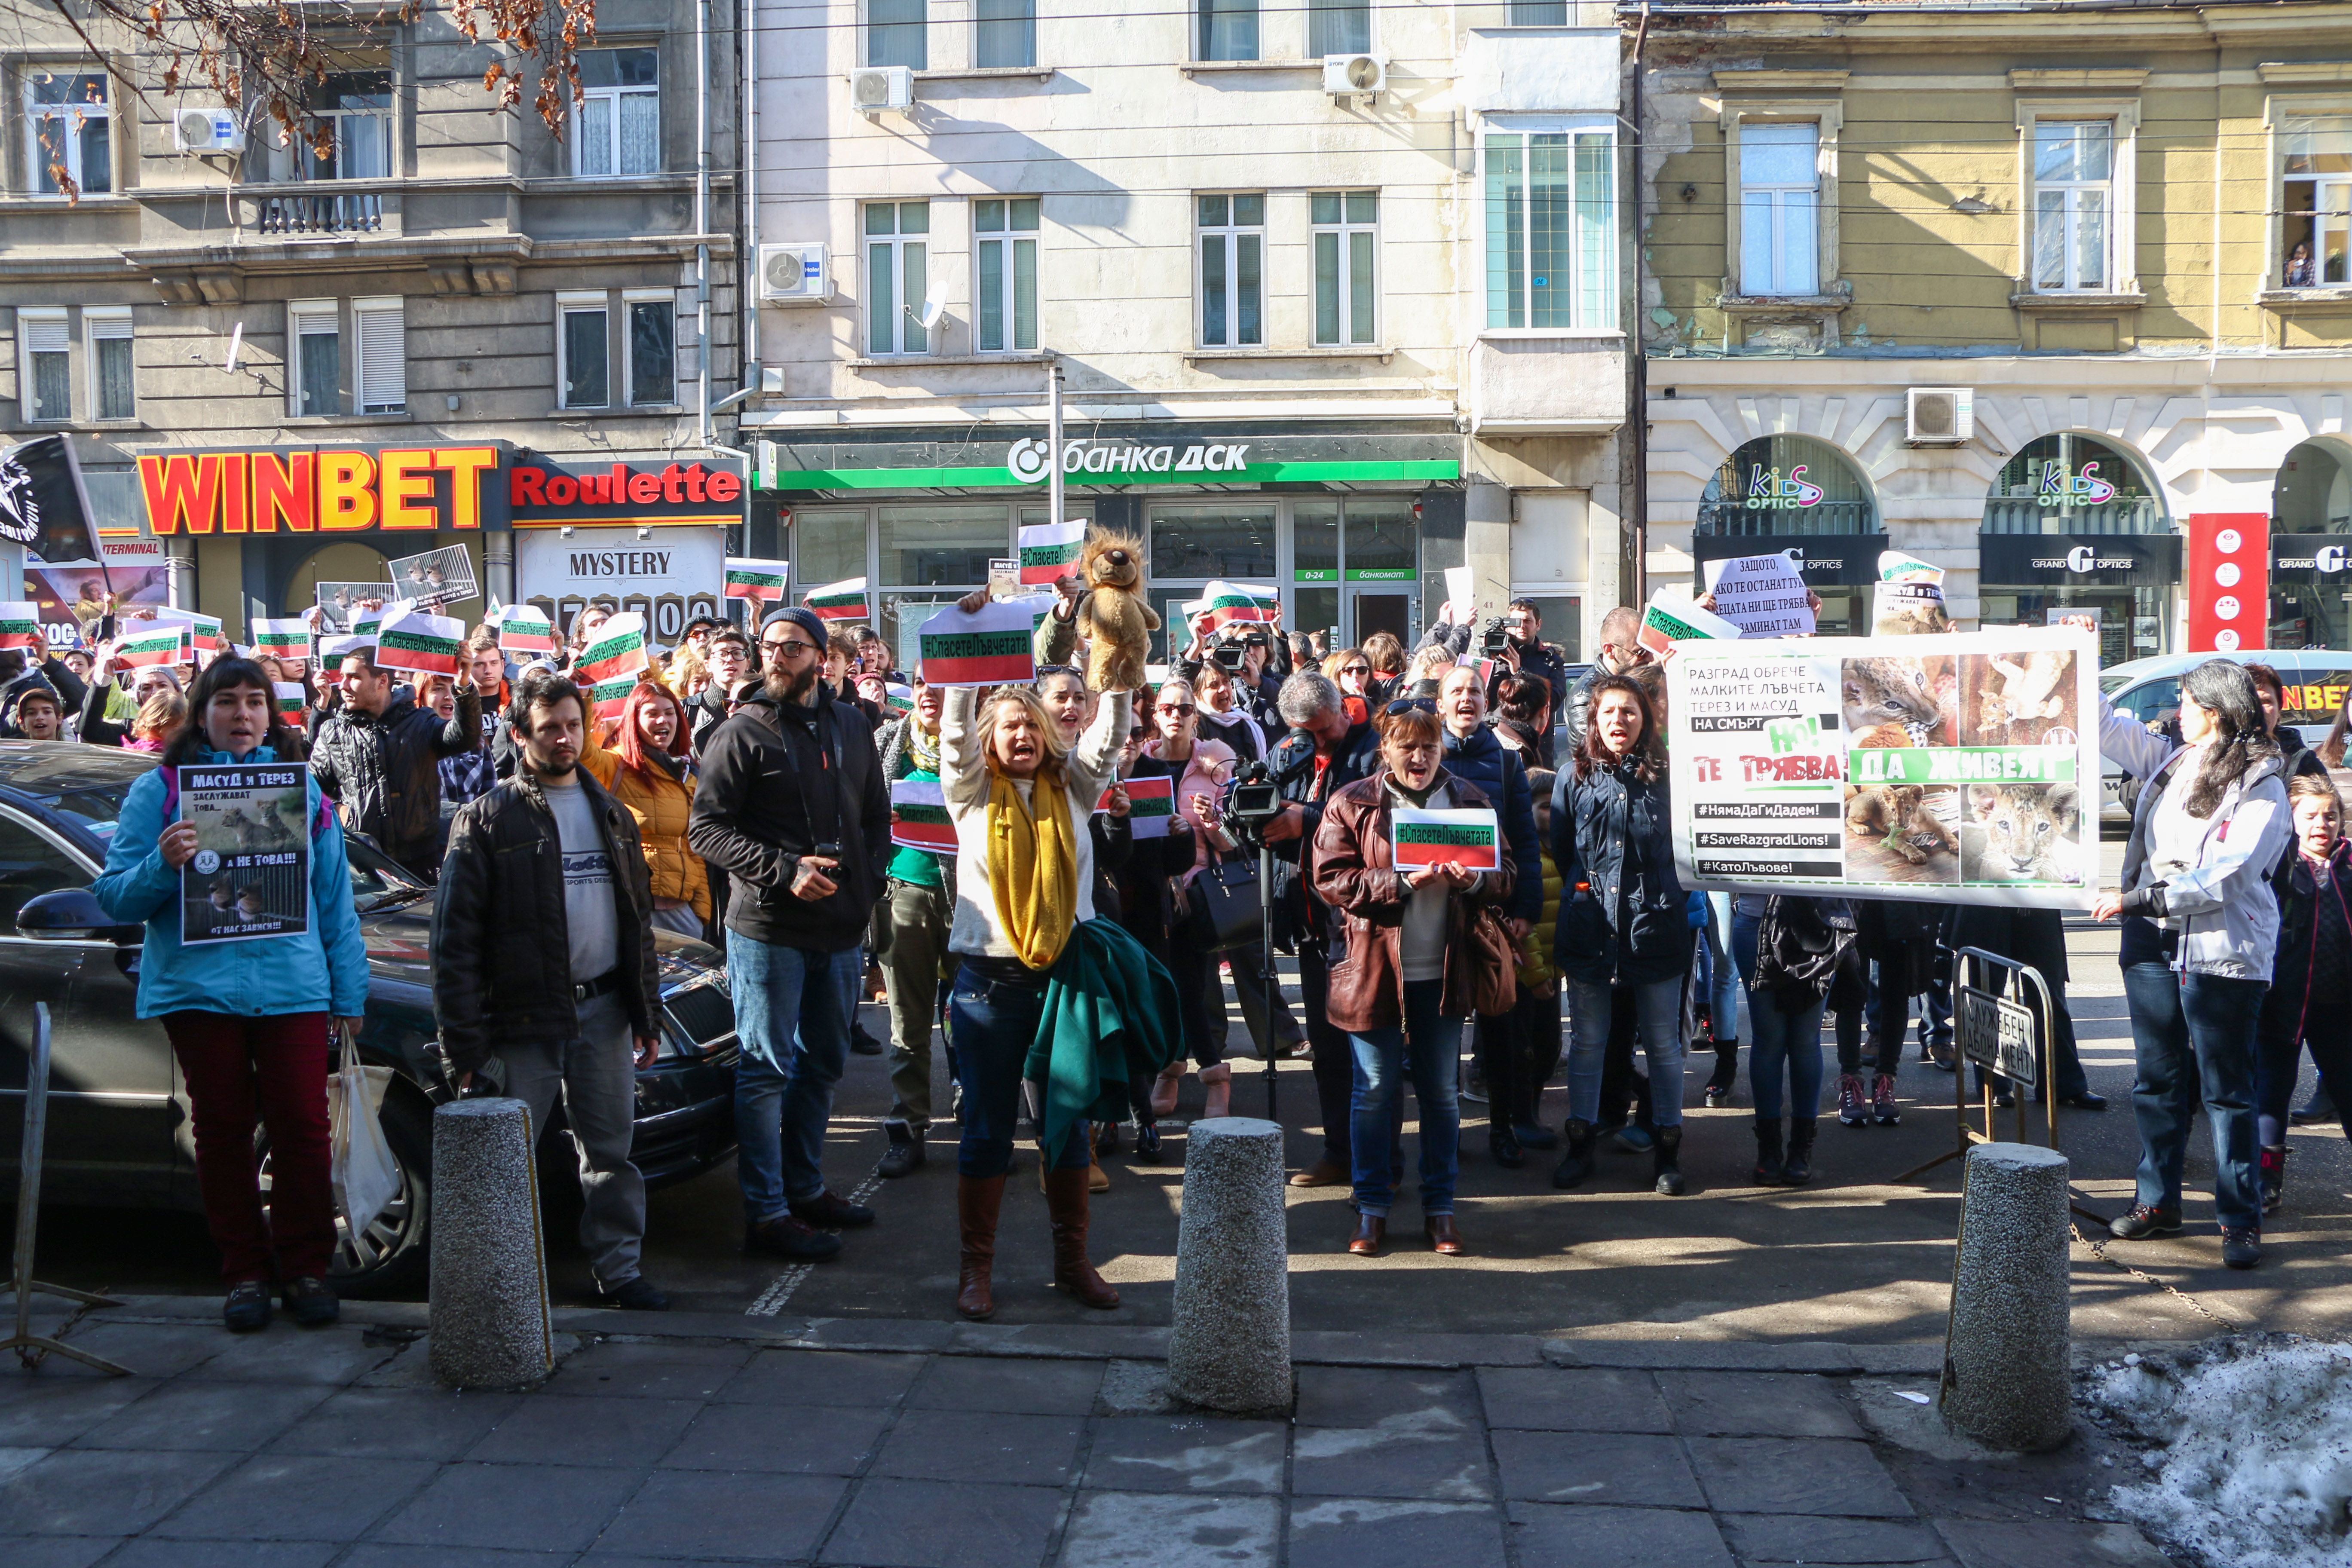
1033, 867
924, 749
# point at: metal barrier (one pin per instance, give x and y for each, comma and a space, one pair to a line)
30, 1347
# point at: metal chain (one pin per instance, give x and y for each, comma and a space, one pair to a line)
2191, 1302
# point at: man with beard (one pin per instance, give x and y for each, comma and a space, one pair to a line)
794, 809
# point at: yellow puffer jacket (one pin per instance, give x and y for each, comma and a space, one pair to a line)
661, 806
1534, 949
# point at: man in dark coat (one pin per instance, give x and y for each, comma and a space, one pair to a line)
2037, 939
379, 757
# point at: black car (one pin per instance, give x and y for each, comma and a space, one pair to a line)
118, 1131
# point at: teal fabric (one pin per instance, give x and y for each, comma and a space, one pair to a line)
1111, 1008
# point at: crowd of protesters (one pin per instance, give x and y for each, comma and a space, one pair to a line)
1073, 971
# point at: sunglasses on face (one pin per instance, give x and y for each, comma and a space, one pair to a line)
1180, 710
1407, 704
1356, 670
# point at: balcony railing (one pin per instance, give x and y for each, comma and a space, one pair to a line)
1738, 519
356, 214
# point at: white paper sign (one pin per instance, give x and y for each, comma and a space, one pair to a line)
989, 647
1461, 595
1670, 620
1761, 594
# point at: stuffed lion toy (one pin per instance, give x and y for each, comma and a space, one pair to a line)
1112, 616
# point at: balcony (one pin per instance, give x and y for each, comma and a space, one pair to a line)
1548, 384
360, 213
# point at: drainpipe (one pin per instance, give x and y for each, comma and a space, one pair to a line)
702, 211
1638, 415
1054, 440
747, 196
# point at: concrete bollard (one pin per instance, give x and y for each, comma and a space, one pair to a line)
2008, 1353
1229, 1347
490, 1318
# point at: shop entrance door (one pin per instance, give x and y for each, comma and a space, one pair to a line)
1380, 610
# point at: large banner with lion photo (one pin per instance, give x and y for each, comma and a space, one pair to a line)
1959, 768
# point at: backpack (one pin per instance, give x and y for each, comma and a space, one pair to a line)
1799, 947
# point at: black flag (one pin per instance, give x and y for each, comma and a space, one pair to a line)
43, 506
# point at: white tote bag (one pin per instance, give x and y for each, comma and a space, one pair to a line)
366, 1176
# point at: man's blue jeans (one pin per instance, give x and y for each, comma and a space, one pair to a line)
1435, 1059
1658, 1015
2192, 1037
1723, 975
792, 1008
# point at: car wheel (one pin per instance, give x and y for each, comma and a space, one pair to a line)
389, 1257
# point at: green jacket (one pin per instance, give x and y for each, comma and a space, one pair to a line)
1110, 1010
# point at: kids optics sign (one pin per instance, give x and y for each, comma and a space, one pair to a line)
2060, 488
1768, 491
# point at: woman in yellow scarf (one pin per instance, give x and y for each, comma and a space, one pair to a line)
1018, 797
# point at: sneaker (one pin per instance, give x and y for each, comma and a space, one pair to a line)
248, 1307
2242, 1245
788, 1237
1853, 1101
905, 1155
1632, 1137
312, 1304
637, 1294
1883, 1109
2144, 1221
832, 1213
2319, 1108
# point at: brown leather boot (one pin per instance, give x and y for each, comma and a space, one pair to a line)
1065, 1202
979, 1199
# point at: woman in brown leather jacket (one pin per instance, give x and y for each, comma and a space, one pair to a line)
1403, 967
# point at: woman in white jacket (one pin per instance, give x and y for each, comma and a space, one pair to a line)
2209, 827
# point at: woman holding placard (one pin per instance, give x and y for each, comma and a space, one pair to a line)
1405, 964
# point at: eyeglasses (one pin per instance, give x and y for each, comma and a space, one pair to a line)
789, 647
1179, 710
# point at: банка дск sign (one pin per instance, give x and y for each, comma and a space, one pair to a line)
352, 489
1122, 460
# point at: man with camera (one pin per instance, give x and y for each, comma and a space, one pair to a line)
1514, 640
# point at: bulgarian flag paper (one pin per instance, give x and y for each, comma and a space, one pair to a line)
332, 651
367, 623
1669, 620
919, 816
524, 630
898, 698
619, 650
282, 639
607, 699
762, 582
1468, 839
289, 697
159, 643
20, 625
843, 601
1225, 603
419, 642
1151, 806
989, 647
1050, 551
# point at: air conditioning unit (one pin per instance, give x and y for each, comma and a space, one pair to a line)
207, 131
793, 273
1354, 76
1939, 416
880, 87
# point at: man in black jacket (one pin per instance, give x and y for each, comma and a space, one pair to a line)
793, 807
543, 955
1621, 650
380, 759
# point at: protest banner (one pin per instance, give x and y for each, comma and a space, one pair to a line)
919, 816
20, 626
287, 639
1470, 839
1150, 805
1955, 768
989, 646
341, 604
1908, 600
1669, 619
760, 582
1761, 594
289, 697
842, 601
163, 643
1222, 604
524, 630
1050, 552
619, 649
609, 699
419, 642
437, 577
250, 876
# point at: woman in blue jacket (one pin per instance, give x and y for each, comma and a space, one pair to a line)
251, 1020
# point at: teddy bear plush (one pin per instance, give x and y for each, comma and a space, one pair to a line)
1112, 616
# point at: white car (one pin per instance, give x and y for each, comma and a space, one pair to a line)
2317, 681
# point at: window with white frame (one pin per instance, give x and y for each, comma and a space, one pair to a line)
619, 114
898, 277
1551, 256
895, 34
1537, 13
106, 336
1347, 236
354, 139
1233, 271
1228, 30
1338, 27
45, 343
651, 346
583, 355
69, 127
379, 327
314, 360
1004, 274
1780, 209
2315, 230
1005, 34
2073, 205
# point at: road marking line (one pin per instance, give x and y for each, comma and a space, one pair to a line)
771, 1301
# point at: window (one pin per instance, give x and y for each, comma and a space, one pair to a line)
653, 350
619, 129
1232, 284
897, 273
69, 126
1338, 27
943, 545
356, 110
1551, 251
1007, 36
108, 334
2317, 232
44, 339
583, 360
1539, 12
894, 34
1228, 29
1780, 209
383, 338
316, 363
2074, 160
1005, 286
1347, 234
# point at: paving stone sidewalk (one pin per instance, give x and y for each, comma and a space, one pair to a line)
294, 1449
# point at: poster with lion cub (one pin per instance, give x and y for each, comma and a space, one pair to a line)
1948, 767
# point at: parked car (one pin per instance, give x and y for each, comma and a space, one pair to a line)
118, 1131
2317, 682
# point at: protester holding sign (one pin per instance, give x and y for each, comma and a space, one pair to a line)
379, 757
1198, 770
250, 1022
913, 917
645, 775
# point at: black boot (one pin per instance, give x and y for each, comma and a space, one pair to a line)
1799, 1169
1666, 1156
2273, 1174
1771, 1167
1577, 1163
1720, 1082
1502, 1113
1502, 1146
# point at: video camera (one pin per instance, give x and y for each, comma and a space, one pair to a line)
1496, 639
1250, 800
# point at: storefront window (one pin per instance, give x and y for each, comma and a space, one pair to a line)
1315, 540
827, 547
945, 546
1233, 540
2073, 484
1381, 536
2311, 498
1786, 484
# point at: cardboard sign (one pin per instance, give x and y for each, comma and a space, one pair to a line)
1461, 595
1763, 595
159, 645
760, 582
842, 601
989, 647
1471, 839
419, 642
20, 626
919, 816
250, 876
282, 639
1150, 805
619, 650
1668, 620
1050, 552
